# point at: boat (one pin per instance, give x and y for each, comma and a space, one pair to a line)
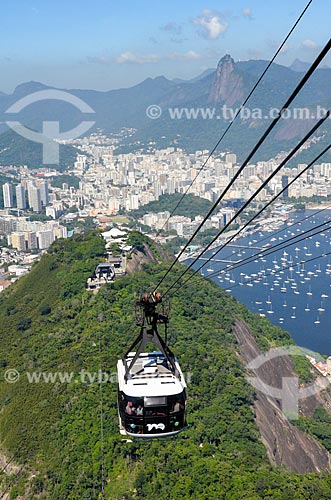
321, 308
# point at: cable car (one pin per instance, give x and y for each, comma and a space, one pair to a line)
105, 271
151, 385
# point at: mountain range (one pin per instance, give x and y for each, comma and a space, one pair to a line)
226, 86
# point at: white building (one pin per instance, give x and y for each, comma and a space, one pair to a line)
7, 195
17, 240
51, 212
34, 198
20, 197
45, 238
44, 194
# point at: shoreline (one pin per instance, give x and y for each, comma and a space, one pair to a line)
319, 206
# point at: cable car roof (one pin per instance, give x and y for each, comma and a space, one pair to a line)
150, 376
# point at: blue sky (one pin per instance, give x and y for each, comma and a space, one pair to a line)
108, 44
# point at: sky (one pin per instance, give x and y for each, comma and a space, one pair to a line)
107, 44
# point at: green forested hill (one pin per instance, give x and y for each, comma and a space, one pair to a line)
17, 150
190, 207
51, 431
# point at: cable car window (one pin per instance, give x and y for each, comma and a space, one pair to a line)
176, 403
155, 401
133, 406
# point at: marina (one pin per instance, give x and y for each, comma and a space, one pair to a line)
282, 287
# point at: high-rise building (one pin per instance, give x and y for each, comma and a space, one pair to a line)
44, 194
7, 195
17, 241
31, 239
20, 196
231, 158
30, 187
51, 212
134, 202
60, 232
34, 198
8, 224
285, 185
45, 238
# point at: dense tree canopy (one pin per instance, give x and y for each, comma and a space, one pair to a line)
191, 206
52, 429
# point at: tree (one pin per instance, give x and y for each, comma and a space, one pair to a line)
23, 324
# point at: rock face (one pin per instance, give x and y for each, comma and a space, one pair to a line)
227, 86
138, 258
290, 129
285, 444
299, 66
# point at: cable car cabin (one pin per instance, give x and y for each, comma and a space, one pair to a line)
152, 400
105, 271
151, 385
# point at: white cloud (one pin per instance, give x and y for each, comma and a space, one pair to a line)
131, 57
190, 55
210, 24
134, 58
247, 13
309, 45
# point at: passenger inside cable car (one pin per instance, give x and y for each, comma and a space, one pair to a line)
152, 415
